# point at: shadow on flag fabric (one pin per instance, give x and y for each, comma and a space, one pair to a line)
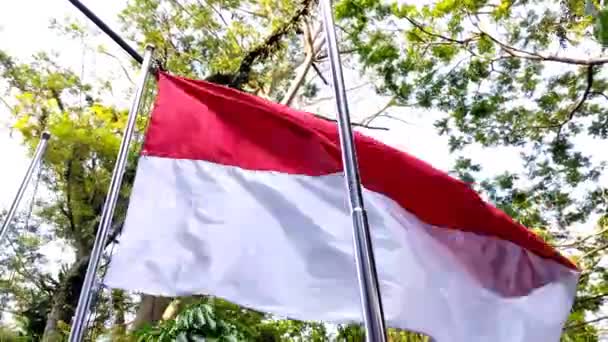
244, 199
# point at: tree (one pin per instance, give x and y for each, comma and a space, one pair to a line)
211, 317
505, 73
494, 86
78, 168
25, 281
215, 318
192, 40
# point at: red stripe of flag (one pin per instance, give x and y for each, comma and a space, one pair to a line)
201, 121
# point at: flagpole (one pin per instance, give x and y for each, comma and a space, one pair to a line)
107, 30
86, 293
373, 316
38, 154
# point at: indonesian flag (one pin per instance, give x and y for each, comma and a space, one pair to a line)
245, 199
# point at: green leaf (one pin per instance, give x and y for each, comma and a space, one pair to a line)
444, 52
601, 27
182, 337
485, 45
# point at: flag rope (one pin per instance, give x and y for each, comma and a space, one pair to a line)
38, 155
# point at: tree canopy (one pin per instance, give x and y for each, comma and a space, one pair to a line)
524, 74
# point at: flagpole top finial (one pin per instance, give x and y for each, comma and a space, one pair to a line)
46, 135
150, 46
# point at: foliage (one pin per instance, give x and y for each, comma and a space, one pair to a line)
223, 39
506, 74
25, 283
216, 319
191, 40
197, 323
490, 67
7, 335
219, 320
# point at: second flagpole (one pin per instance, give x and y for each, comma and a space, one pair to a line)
373, 316
36, 160
86, 293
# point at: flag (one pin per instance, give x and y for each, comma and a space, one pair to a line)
245, 199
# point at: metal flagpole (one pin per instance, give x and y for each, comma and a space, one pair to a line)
86, 293
38, 154
373, 317
105, 28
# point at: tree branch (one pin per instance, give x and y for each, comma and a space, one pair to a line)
124, 70
352, 123
57, 98
311, 50
588, 299
582, 324
597, 93
368, 120
532, 55
6, 103
595, 251
580, 242
297, 82
327, 98
576, 107
385, 115
319, 73
68, 212
588, 270
39, 280
324, 56
256, 14
581, 101
116, 231
437, 35
214, 10
264, 50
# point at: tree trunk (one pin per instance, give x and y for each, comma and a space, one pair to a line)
65, 300
173, 309
119, 310
178, 305
150, 310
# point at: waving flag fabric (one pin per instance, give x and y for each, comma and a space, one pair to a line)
244, 199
